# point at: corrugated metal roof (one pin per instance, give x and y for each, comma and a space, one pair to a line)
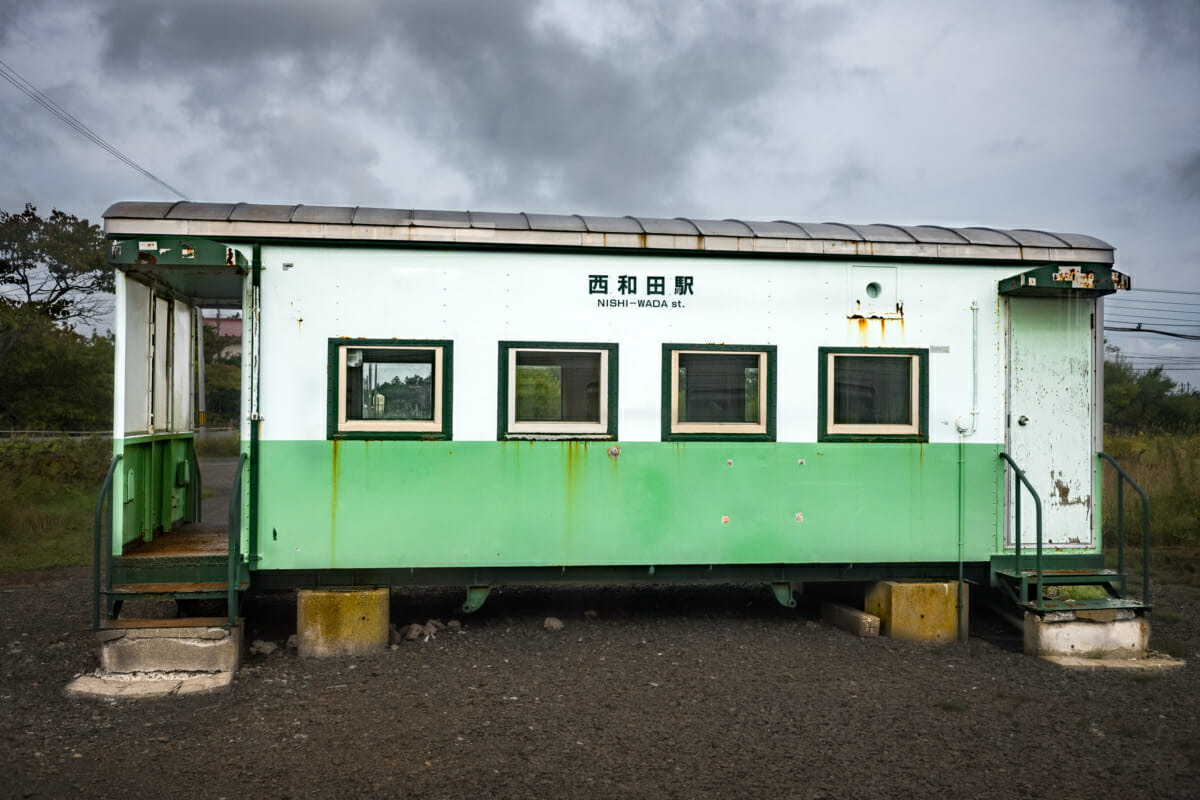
243, 220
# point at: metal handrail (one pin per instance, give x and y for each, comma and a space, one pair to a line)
1122, 478
98, 540
197, 483
1037, 501
235, 541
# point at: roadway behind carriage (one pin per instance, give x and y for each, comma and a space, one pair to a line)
662, 692
217, 475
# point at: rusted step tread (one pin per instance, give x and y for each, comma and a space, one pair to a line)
169, 588
1014, 573
189, 539
1089, 603
177, 622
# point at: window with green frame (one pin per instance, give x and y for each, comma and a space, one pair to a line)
557, 390
389, 389
873, 394
718, 392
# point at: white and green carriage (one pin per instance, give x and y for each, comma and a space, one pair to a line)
456, 398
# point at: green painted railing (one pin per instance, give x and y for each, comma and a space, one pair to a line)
197, 486
1037, 502
98, 549
235, 541
1122, 479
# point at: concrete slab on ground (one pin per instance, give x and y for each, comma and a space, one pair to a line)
147, 685
1151, 662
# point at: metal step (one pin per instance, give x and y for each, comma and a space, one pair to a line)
1088, 604
170, 590
1063, 577
1022, 583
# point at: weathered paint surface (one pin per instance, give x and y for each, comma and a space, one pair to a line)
1050, 408
152, 486
456, 504
477, 299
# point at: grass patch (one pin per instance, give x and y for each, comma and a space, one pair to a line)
47, 498
1167, 467
1082, 592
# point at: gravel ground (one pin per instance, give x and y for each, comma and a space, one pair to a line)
670, 692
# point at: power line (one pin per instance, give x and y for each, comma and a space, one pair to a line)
1139, 316
1150, 310
13, 77
1154, 321
1152, 303
1165, 291
1140, 329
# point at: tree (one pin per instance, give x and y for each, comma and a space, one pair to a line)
50, 269
58, 379
1147, 400
53, 276
222, 378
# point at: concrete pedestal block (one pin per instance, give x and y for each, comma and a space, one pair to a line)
850, 619
341, 622
918, 612
170, 649
1117, 633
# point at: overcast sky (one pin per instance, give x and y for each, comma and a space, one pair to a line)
1080, 116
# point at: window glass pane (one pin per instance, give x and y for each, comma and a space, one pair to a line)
383, 383
557, 387
719, 387
872, 390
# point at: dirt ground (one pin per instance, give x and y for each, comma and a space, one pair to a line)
646, 692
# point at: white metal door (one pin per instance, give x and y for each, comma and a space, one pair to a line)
1050, 412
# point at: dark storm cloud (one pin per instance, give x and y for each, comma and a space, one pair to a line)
1166, 26
502, 93
1185, 177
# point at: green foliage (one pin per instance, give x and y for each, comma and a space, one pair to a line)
222, 379
47, 496
539, 393
1167, 467
53, 274
1147, 401
54, 266
56, 379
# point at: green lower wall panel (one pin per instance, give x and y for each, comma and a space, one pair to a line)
351, 504
150, 487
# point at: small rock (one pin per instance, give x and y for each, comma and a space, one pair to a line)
436, 623
414, 632
395, 647
429, 630
590, 613
454, 625
395, 635
553, 624
259, 647
293, 642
